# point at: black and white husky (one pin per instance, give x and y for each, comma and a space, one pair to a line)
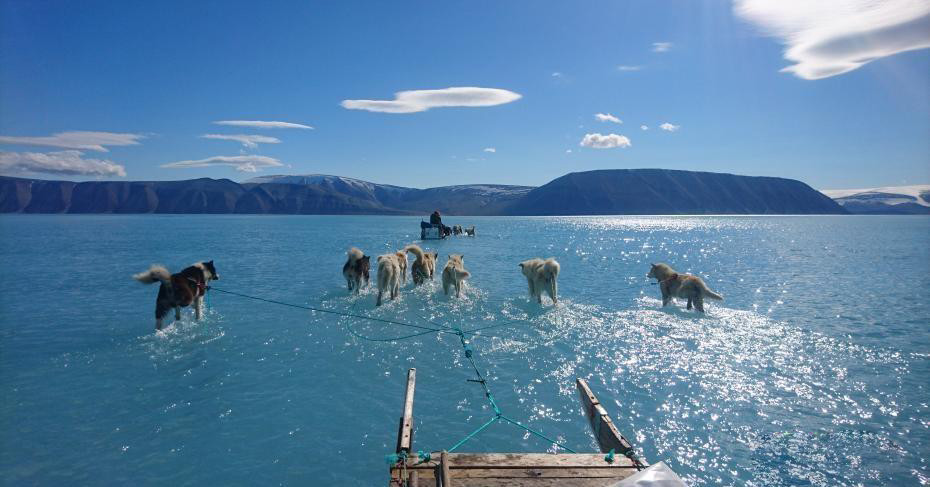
179, 290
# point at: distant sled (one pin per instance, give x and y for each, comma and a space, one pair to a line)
431, 231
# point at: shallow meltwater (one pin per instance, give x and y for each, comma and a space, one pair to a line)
812, 371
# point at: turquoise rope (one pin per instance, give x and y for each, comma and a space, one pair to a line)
473, 433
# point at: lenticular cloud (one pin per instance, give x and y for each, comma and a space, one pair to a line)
245, 163
422, 100
825, 38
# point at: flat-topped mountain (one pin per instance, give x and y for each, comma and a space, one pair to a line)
670, 192
621, 191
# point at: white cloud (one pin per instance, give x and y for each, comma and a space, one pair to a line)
490, 149
260, 124
568, 151
661, 46
240, 163
623, 67
606, 117
422, 100
67, 162
669, 127
82, 140
250, 141
609, 141
825, 38
556, 74
644, 127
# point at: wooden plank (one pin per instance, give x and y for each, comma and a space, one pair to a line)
446, 478
405, 430
528, 460
606, 434
541, 482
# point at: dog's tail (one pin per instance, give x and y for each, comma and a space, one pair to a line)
155, 274
415, 250
710, 294
550, 268
355, 254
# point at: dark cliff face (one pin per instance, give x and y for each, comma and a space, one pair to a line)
668, 192
635, 191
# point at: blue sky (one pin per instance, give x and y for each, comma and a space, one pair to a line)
142, 82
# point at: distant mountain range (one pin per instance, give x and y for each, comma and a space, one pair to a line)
619, 191
890, 200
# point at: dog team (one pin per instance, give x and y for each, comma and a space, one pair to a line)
541, 275
189, 286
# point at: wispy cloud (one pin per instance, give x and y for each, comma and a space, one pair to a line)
247, 163
624, 67
250, 141
422, 100
661, 46
606, 117
829, 37
490, 149
609, 141
669, 127
261, 124
644, 127
83, 140
556, 74
69, 162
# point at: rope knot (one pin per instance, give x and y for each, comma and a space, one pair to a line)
609, 458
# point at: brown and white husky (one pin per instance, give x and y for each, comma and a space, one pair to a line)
179, 290
675, 285
542, 276
356, 269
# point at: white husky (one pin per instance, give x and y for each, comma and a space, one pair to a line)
388, 276
454, 274
541, 275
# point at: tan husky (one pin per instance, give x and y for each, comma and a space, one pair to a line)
402, 263
675, 285
454, 274
388, 276
424, 266
542, 275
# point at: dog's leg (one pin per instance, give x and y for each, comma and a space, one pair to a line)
380, 292
689, 303
699, 303
198, 308
158, 324
177, 313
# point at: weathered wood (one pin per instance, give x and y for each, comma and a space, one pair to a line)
606, 434
529, 460
405, 430
528, 469
446, 479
